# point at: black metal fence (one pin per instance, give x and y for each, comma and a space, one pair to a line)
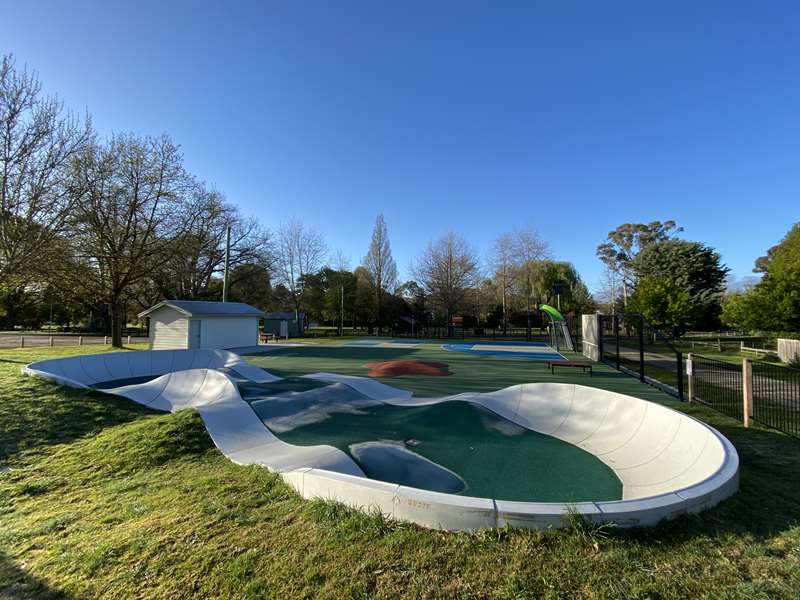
536, 334
776, 397
629, 343
493, 333
718, 385
774, 400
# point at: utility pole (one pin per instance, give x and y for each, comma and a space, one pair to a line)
227, 263
558, 287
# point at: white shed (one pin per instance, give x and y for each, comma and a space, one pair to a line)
178, 324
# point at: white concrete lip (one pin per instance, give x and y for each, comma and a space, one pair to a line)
669, 463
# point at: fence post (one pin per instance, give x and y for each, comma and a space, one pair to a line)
616, 336
80, 340
641, 348
690, 376
680, 376
105, 340
600, 338
129, 340
51, 341
22, 341
747, 391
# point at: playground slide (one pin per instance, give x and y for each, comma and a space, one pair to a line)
559, 329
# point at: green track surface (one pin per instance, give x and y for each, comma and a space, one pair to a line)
494, 457
501, 460
470, 373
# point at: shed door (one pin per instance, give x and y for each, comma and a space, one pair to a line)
284, 329
194, 334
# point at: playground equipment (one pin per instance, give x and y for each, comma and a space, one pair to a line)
560, 337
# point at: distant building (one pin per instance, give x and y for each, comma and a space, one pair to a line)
284, 324
189, 324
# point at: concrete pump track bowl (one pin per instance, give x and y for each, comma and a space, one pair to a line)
669, 464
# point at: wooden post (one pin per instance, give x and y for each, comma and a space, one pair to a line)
690, 376
105, 340
22, 341
80, 340
51, 341
747, 391
129, 340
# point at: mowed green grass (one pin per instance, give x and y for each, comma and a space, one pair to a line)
100, 497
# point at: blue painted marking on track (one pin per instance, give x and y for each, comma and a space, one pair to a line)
381, 341
501, 343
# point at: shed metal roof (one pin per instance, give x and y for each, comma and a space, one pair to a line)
202, 308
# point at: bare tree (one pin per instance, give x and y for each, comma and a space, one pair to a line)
300, 251
446, 270
342, 265
502, 262
608, 289
528, 250
38, 139
381, 266
130, 209
199, 255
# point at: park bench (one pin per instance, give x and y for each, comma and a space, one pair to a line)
575, 364
266, 338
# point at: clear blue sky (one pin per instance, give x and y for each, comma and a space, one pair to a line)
571, 117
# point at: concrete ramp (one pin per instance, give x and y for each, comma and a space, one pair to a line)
669, 463
233, 426
89, 370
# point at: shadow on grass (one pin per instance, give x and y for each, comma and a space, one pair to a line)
35, 414
16, 584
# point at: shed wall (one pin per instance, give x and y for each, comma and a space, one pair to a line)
169, 329
229, 332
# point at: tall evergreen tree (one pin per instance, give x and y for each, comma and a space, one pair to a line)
622, 245
691, 266
381, 266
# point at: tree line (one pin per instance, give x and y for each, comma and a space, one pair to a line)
772, 304
680, 285
93, 229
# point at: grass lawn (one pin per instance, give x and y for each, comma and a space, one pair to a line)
102, 497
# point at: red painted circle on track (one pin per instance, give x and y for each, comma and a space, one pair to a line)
397, 368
